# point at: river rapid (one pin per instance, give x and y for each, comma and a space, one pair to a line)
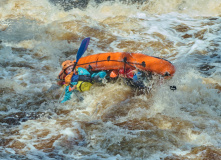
114, 121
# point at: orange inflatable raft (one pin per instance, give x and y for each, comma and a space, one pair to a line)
118, 60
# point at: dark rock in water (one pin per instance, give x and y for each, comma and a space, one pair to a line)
17, 118
70, 4
81, 4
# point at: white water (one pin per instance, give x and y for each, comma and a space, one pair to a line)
112, 122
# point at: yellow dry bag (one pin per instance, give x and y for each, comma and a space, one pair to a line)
83, 86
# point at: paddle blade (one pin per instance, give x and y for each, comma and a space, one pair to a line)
82, 48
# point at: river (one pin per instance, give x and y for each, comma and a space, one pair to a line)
113, 122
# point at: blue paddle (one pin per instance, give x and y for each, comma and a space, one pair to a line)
81, 50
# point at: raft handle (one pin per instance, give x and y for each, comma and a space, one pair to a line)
166, 74
108, 58
125, 60
89, 68
143, 64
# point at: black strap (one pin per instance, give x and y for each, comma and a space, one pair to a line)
75, 64
125, 62
89, 67
80, 86
84, 78
143, 64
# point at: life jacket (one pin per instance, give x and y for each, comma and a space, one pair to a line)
82, 79
68, 78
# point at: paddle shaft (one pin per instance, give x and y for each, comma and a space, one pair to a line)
81, 50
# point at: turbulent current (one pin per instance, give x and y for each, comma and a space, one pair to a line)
114, 121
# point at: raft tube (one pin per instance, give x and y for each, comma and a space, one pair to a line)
118, 60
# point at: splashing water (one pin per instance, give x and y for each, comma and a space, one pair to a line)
113, 121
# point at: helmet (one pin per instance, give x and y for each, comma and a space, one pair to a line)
66, 64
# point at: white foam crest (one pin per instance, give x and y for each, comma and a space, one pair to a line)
111, 134
21, 29
6, 54
191, 93
41, 10
35, 63
192, 101
205, 138
110, 9
193, 8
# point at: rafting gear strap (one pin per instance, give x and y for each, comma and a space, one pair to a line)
143, 64
89, 68
125, 61
84, 78
68, 78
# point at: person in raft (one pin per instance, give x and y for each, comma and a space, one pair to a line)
133, 78
77, 80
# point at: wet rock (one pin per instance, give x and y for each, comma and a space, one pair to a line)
70, 4
81, 4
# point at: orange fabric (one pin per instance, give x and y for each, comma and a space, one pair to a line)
71, 89
114, 73
68, 78
112, 61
